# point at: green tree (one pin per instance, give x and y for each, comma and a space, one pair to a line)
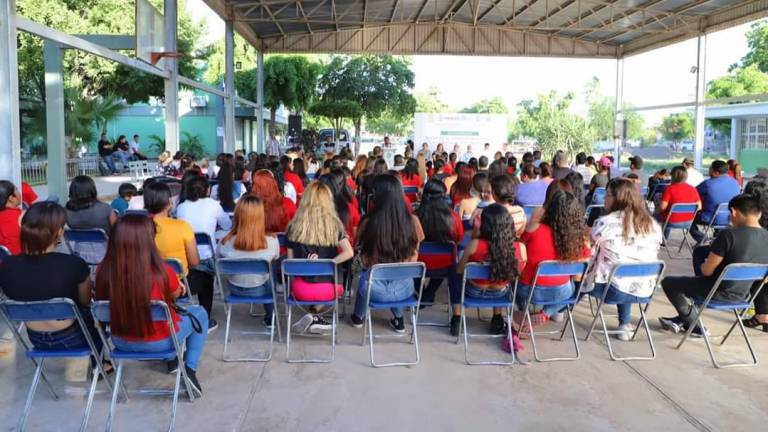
390, 123
549, 121
245, 54
376, 83
337, 111
85, 115
757, 41
601, 114
96, 75
290, 81
677, 127
494, 105
741, 81
429, 101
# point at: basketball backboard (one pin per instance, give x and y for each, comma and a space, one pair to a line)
150, 32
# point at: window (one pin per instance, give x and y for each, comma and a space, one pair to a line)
755, 136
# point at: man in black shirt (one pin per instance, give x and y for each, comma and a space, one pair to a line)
745, 242
105, 152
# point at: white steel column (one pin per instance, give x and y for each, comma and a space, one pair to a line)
260, 102
733, 149
701, 81
618, 132
55, 133
10, 139
172, 83
229, 86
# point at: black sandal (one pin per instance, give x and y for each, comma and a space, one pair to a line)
755, 323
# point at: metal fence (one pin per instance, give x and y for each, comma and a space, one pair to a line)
33, 171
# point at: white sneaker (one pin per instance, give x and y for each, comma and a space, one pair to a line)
558, 317
626, 332
302, 325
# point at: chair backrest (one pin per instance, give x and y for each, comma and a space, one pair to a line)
744, 272
176, 266
634, 270
477, 270
598, 196
282, 239
4, 252
560, 268
306, 267
722, 216
437, 248
468, 224
95, 235
160, 311
312, 176
239, 266
397, 271
591, 209
689, 209
53, 309
203, 239
410, 189
529, 209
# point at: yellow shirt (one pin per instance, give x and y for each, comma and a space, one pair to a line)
172, 235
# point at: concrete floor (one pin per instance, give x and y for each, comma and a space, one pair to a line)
679, 391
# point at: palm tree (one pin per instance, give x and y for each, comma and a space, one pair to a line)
85, 114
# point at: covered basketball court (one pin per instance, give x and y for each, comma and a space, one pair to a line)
680, 390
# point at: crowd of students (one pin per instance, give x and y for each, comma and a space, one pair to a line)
359, 209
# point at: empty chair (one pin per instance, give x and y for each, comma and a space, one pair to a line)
54, 309
161, 315
474, 271
292, 268
384, 273
611, 295
756, 273
263, 295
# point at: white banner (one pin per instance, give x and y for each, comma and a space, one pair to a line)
462, 129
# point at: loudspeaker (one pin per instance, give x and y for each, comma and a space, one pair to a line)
294, 125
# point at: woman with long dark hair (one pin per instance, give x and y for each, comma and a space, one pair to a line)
440, 225
287, 165
389, 233
10, 217
559, 235
130, 277
410, 177
626, 234
278, 209
227, 191
300, 170
343, 200
285, 187
497, 245
85, 211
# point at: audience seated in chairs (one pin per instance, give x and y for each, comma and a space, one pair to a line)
503, 188
248, 240
743, 243
39, 273
204, 215
717, 189
678, 192
130, 277
10, 217
85, 212
378, 245
347, 206
278, 209
316, 232
626, 234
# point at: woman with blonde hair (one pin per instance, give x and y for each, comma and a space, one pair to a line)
316, 232
248, 240
360, 164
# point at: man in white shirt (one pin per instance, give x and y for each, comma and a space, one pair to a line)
426, 152
134, 148
468, 154
273, 146
694, 176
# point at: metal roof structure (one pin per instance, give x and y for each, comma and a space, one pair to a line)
558, 28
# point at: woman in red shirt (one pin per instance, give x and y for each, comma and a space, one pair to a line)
559, 235
441, 225
130, 277
279, 210
734, 170
409, 176
10, 217
679, 192
497, 245
291, 177
343, 200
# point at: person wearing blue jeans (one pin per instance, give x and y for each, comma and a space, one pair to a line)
382, 291
195, 341
259, 291
544, 294
624, 301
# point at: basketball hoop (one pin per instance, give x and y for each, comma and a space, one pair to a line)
156, 56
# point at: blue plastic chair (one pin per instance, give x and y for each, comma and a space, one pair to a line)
160, 313
467, 225
591, 210
4, 252
312, 176
756, 273
75, 237
644, 191
482, 271
684, 226
393, 272
411, 190
54, 309
721, 220
529, 209
598, 196
653, 270
439, 249
177, 268
658, 190
550, 269
304, 267
226, 267
203, 239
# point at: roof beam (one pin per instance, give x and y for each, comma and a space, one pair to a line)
620, 16
333, 14
647, 22
304, 16
365, 11
517, 12
421, 10
572, 23
274, 20
394, 10
487, 11
453, 9
553, 12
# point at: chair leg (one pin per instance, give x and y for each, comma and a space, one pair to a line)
288, 334
113, 401
175, 402
91, 393
752, 353
31, 394
369, 325
228, 310
569, 323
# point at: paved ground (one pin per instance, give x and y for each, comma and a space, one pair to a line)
107, 187
679, 391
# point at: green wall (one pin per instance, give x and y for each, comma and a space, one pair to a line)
751, 160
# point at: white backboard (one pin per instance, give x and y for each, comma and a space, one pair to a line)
150, 31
